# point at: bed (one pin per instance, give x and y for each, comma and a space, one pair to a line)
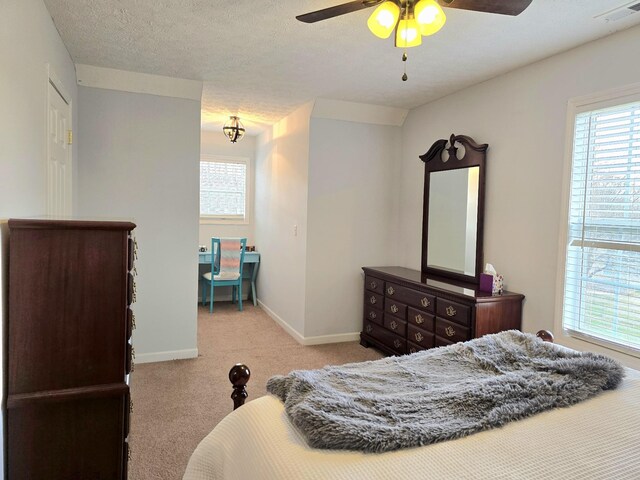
598, 438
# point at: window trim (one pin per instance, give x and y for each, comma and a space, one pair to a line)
575, 106
221, 219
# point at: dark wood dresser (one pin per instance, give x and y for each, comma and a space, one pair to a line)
68, 349
406, 311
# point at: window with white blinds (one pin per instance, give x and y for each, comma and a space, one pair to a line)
602, 272
223, 189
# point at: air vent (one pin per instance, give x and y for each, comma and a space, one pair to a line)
620, 12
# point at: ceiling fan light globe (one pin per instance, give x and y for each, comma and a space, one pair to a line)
383, 19
408, 33
429, 16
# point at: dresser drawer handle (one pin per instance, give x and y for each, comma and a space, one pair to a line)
372, 300
425, 302
390, 291
394, 308
419, 319
373, 285
451, 311
397, 343
369, 328
393, 324
450, 331
419, 337
372, 315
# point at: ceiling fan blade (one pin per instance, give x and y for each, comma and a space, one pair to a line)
503, 7
331, 12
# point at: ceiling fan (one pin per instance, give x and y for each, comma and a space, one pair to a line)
411, 19
503, 7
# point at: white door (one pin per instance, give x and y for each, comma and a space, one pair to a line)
59, 180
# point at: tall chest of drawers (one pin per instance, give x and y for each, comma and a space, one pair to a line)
405, 311
68, 349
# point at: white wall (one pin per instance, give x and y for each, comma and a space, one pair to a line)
522, 116
282, 164
28, 42
326, 204
351, 223
215, 143
139, 158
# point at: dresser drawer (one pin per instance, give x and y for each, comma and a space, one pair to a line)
127, 414
131, 254
419, 337
454, 311
126, 455
451, 331
373, 299
395, 342
373, 314
411, 297
413, 348
395, 324
441, 342
129, 323
421, 319
374, 284
395, 308
129, 359
130, 289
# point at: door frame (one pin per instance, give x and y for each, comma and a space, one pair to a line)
51, 78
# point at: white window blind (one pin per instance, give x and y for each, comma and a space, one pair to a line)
602, 275
223, 189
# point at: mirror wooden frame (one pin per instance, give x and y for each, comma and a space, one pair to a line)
474, 156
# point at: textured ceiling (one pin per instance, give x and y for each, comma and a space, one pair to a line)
257, 61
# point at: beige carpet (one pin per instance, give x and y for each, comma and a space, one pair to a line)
175, 404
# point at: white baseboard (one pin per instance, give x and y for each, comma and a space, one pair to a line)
166, 356
287, 328
337, 338
319, 340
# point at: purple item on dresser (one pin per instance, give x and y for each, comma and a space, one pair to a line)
486, 283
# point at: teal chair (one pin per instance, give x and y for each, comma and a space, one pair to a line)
227, 259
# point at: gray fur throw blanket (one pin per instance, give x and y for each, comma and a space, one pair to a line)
439, 394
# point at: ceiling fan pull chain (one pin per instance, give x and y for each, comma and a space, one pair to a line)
404, 59
404, 54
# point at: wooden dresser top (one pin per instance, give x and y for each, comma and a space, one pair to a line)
417, 279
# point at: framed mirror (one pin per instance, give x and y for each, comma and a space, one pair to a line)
453, 210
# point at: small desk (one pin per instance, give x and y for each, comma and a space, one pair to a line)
250, 258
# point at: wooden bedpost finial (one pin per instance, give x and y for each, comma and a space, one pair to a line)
545, 335
239, 376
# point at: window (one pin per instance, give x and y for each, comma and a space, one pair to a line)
602, 270
223, 189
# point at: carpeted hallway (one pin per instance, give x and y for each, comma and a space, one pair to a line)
175, 404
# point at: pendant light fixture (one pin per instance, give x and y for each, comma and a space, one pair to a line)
233, 129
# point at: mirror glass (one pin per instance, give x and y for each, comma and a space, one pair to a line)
453, 220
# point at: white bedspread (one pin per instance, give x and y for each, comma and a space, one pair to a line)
596, 439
